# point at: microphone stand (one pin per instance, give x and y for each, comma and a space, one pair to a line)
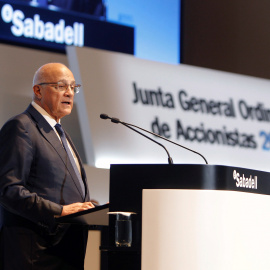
129, 126
116, 120
157, 135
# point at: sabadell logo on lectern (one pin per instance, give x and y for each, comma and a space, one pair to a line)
245, 182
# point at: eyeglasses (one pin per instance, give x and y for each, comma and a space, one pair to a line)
61, 86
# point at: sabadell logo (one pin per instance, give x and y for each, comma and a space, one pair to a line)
36, 28
245, 182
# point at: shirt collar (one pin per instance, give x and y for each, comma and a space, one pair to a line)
47, 117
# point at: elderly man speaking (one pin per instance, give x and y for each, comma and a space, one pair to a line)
42, 177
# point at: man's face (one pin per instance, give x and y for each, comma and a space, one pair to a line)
57, 103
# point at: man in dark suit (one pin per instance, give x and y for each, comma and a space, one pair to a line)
39, 181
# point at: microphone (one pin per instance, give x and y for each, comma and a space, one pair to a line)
116, 120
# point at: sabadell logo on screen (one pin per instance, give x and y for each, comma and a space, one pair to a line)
36, 28
245, 182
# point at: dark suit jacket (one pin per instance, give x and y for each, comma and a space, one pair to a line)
36, 178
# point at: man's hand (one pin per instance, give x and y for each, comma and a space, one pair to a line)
76, 207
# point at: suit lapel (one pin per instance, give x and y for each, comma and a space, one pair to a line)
47, 131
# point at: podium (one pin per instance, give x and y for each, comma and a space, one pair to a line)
191, 217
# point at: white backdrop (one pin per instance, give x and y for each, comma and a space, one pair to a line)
221, 115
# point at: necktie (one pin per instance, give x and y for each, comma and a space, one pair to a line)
62, 135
